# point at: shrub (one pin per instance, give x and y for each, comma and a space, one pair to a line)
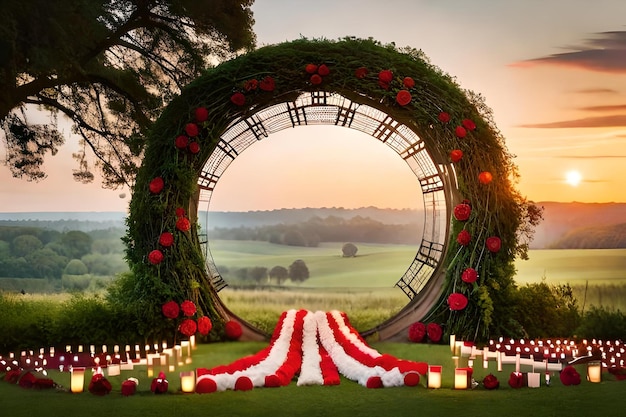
602, 323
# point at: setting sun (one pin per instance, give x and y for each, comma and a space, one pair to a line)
573, 178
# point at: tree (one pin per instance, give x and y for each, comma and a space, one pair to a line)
298, 271
349, 250
279, 273
46, 263
76, 267
258, 274
25, 244
76, 244
110, 67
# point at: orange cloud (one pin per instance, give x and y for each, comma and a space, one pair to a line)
603, 121
607, 53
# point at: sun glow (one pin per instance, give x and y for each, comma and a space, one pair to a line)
573, 178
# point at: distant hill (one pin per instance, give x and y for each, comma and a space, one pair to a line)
565, 225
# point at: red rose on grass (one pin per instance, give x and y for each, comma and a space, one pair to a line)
251, 85
180, 212
516, 380
469, 275
170, 309
155, 257
181, 141
323, 70
485, 177
468, 124
361, 72
159, 385
493, 244
238, 99
129, 387
457, 301
456, 155
99, 385
434, 332
417, 331
408, 82
156, 185
27, 380
310, 68
403, 97
191, 129
194, 147
462, 212
444, 117
316, 79
183, 224
463, 238
267, 84
12, 376
166, 239
201, 114
569, 376
188, 308
460, 132
385, 76
233, 330
188, 327
204, 325
491, 382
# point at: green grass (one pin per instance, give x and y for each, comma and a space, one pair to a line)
346, 399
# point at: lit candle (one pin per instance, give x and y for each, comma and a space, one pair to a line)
187, 381
460, 378
434, 376
499, 359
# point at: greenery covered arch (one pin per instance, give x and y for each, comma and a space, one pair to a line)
485, 219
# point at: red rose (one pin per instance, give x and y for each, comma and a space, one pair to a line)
316, 79
403, 97
516, 380
27, 380
156, 185
434, 332
569, 376
383, 85
460, 132
491, 382
188, 308
457, 301
310, 68
463, 238
188, 327
204, 325
233, 330
493, 244
469, 275
99, 385
444, 117
417, 331
238, 99
361, 72
323, 70
385, 76
129, 387
468, 124
183, 224
201, 114
485, 177
180, 212
181, 141
456, 155
155, 257
194, 147
408, 82
166, 239
251, 85
191, 129
12, 376
159, 385
462, 212
170, 309
267, 84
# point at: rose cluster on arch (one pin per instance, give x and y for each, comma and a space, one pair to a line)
252, 86
386, 80
188, 326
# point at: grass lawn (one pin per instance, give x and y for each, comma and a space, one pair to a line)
346, 399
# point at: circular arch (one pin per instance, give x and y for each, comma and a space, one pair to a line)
444, 133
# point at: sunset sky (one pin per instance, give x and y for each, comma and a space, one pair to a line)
553, 71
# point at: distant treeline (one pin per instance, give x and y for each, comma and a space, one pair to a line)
329, 229
600, 237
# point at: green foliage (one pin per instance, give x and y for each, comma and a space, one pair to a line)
76, 244
349, 250
24, 245
279, 273
76, 267
298, 271
602, 323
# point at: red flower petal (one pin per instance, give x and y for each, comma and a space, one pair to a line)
188, 327
493, 244
462, 212
469, 275
417, 331
460, 132
181, 141
170, 309
456, 155
444, 117
385, 76
463, 238
468, 124
155, 257
408, 82
310, 68
434, 332
183, 224
238, 99
201, 114
485, 177
233, 330
403, 97
188, 308
180, 212
204, 325
156, 185
194, 147
316, 79
457, 301
267, 84
323, 70
192, 129
166, 239
361, 72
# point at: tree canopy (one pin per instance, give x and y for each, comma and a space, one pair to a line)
110, 67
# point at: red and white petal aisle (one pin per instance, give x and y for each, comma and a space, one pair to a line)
316, 346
